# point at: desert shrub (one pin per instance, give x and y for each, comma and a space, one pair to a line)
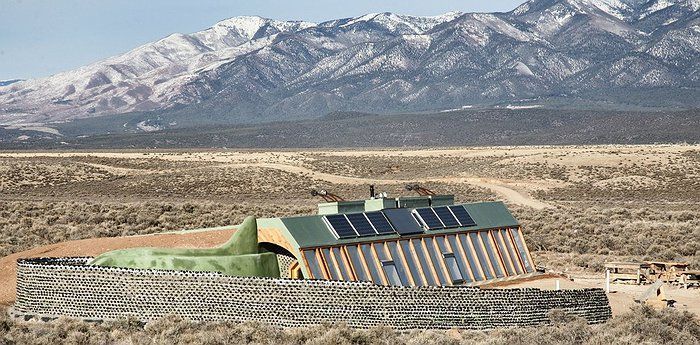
596, 234
641, 325
645, 325
26, 224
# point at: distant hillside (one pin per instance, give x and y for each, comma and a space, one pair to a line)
571, 54
455, 128
8, 82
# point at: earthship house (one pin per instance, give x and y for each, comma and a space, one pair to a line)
405, 241
415, 262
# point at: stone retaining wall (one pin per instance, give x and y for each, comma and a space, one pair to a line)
50, 287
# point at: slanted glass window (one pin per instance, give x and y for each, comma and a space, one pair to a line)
471, 259
463, 268
485, 265
491, 252
329, 264
451, 263
398, 263
315, 268
504, 252
435, 258
356, 261
424, 263
372, 264
344, 270
520, 244
411, 262
392, 275
511, 252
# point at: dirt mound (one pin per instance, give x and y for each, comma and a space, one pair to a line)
96, 246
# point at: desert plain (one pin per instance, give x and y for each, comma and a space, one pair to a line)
580, 206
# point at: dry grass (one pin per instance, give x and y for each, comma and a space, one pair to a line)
628, 203
641, 325
595, 234
26, 224
612, 202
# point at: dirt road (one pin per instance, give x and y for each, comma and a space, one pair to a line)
284, 161
500, 187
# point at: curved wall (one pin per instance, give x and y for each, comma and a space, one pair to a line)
50, 287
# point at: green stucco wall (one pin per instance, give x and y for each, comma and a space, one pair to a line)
237, 257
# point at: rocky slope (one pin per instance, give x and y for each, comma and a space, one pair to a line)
252, 69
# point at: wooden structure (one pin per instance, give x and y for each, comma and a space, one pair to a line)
628, 272
667, 271
652, 271
689, 278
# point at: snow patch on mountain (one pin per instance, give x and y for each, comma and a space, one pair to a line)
380, 62
656, 6
403, 23
146, 127
523, 69
616, 8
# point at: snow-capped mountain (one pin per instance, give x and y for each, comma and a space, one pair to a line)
248, 69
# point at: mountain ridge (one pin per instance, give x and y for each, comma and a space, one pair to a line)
254, 69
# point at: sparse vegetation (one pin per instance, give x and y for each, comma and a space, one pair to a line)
27, 224
641, 325
592, 235
610, 203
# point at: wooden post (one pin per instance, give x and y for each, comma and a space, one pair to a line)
607, 280
639, 276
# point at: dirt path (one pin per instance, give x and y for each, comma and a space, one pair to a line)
500, 187
622, 296
97, 246
280, 161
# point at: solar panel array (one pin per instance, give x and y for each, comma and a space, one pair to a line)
341, 226
444, 217
400, 220
462, 215
381, 224
359, 224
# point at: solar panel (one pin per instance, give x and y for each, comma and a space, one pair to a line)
361, 224
429, 218
341, 226
402, 220
462, 215
380, 223
446, 216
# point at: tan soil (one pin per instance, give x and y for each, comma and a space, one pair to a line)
621, 296
97, 246
511, 191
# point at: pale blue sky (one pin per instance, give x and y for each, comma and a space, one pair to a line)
42, 37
